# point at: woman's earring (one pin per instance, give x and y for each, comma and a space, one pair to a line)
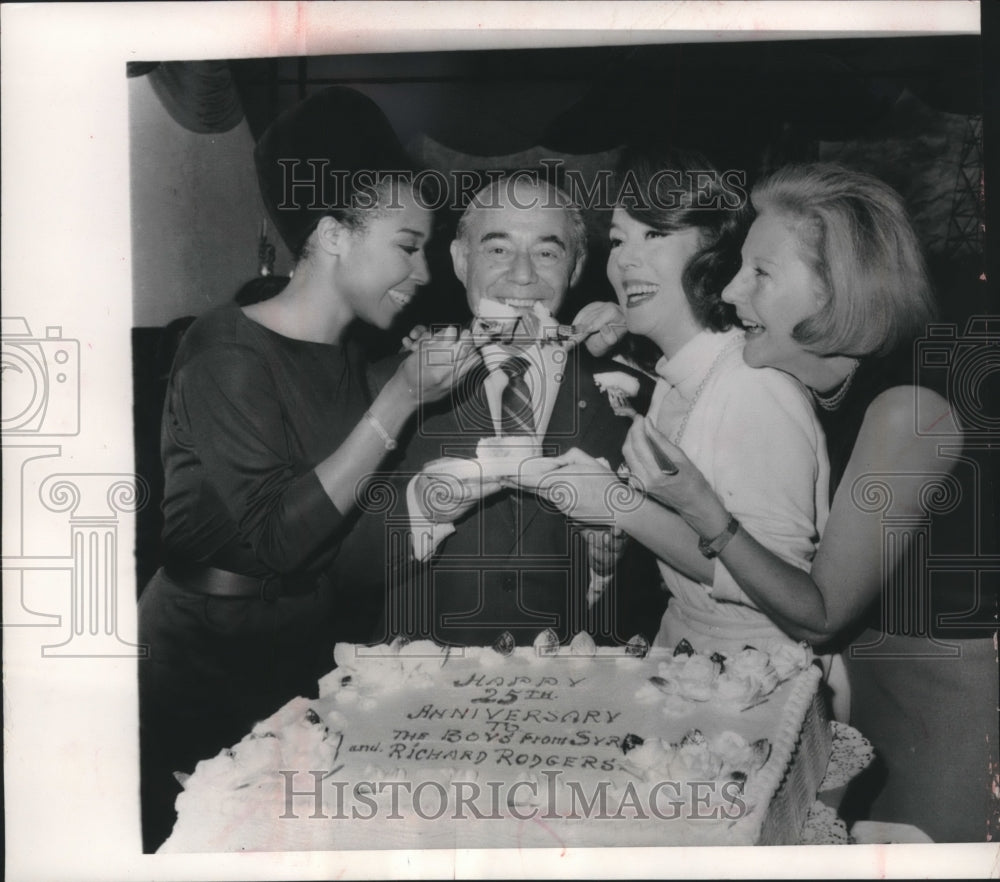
265, 252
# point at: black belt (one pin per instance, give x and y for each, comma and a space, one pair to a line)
213, 582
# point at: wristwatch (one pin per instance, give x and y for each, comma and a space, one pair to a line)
712, 547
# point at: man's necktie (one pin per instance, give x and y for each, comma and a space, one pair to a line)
516, 413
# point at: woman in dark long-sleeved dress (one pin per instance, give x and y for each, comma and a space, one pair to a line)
269, 428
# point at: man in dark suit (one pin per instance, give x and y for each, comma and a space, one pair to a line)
501, 561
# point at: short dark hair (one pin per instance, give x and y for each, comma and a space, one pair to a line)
721, 217
854, 233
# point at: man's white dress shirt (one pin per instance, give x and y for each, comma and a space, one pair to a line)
544, 376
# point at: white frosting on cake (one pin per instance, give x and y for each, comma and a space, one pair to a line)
496, 457
495, 309
512, 449
617, 381
495, 320
503, 456
546, 744
234, 801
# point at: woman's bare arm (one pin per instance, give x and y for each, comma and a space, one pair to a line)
850, 565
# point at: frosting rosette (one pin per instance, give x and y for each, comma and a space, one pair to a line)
790, 658
617, 381
741, 679
294, 737
727, 756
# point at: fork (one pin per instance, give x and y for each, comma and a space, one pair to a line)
620, 404
573, 334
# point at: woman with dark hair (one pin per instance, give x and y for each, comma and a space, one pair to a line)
833, 291
269, 429
674, 245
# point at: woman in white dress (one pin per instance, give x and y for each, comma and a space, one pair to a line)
833, 291
674, 244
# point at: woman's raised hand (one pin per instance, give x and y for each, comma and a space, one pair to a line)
601, 324
443, 496
412, 339
581, 487
437, 361
685, 490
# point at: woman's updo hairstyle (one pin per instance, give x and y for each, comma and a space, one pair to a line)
335, 154
671, 190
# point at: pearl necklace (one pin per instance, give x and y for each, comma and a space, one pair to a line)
729, 347
832, 402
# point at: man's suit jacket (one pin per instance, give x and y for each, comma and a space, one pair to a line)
513, 563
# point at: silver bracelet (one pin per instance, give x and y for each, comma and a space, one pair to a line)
713, 547
387, 439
